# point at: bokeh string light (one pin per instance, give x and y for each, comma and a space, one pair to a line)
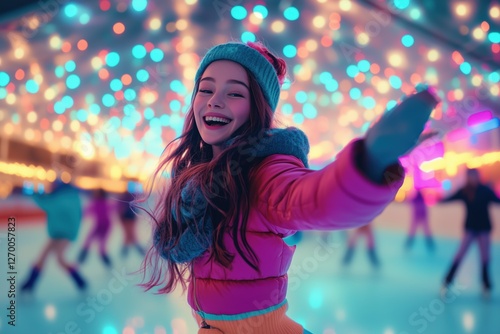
117, 91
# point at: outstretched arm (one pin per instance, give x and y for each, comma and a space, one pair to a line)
455, 197
356, 187
339, 196
493, 196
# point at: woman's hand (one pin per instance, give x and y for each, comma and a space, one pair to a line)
397, 132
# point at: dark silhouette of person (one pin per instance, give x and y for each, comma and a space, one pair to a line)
476, 197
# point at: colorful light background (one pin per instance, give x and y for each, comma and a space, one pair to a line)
104, 85
109, 82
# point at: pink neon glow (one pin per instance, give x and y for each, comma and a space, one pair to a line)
430, 151
427, 184
479, 117
422, 180
425, 152
458, 134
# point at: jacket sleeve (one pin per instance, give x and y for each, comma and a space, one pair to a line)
338, 196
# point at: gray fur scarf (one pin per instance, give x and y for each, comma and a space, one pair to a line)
197, 238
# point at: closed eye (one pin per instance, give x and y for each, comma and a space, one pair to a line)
235, 94
205, 91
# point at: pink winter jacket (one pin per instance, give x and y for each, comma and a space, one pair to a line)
287, 197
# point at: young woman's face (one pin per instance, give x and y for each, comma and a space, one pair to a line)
222, 103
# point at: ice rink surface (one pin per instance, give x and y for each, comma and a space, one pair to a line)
401, 296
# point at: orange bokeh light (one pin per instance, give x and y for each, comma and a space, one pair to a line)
326, 41
118, 28
457, 57
374, 68
19, 74
126, 79
359, 78
103, 74
66, 47
82, 45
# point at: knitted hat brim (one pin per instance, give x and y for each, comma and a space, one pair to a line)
253, 61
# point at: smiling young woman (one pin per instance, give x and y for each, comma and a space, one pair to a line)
239, 186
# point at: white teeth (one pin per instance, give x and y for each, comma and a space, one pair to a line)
217, 119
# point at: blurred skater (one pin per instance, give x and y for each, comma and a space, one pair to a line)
419, 218
476, 197
363, 231
100, 209
64, 213
128, 220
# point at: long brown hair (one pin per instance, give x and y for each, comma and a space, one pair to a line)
222, 180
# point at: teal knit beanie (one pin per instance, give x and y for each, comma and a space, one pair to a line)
252, 60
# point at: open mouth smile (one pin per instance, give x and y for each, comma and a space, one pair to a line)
215, 122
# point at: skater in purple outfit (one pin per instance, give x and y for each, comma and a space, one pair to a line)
100, 208
419, 218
